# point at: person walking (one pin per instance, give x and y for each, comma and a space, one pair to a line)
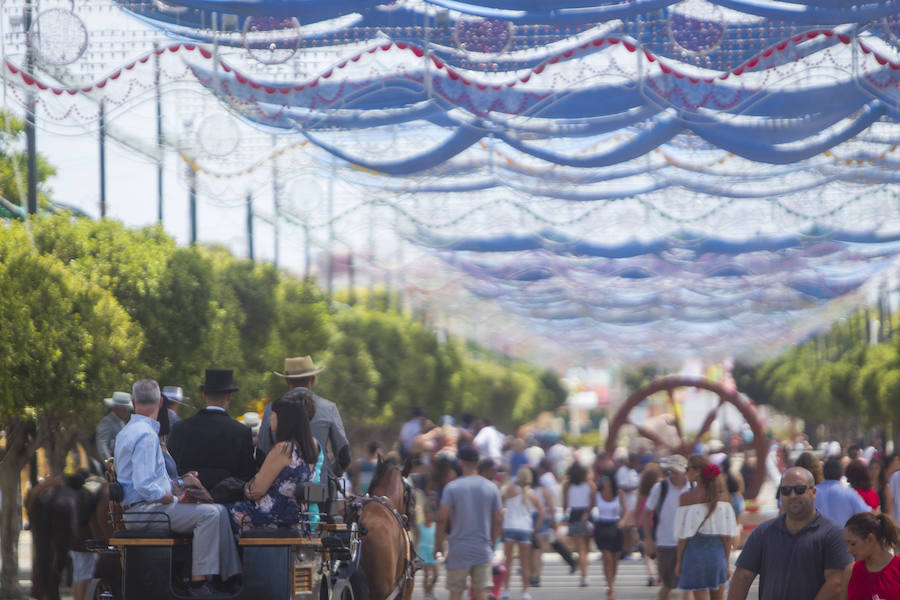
800, 554
835, 500
578, 501
649, 476
612, 512
659, 520
472, 511
550, 489
522, 516
876, 572
858, 477
627, 480
705, 527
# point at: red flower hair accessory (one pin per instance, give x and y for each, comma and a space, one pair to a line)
711, 471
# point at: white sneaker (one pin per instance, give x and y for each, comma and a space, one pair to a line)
526, 596
504, 595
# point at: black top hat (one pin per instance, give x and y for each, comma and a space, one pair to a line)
219, 380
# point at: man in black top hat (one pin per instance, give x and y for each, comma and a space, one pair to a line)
211, 442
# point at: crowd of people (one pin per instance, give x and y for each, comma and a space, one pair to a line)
481, 491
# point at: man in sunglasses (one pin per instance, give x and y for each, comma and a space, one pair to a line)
799, 555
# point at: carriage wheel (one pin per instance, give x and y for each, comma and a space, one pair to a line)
342, 591
686, 444
101, 589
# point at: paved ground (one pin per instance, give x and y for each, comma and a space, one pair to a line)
556, 582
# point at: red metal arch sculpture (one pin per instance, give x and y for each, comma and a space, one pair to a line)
670, 384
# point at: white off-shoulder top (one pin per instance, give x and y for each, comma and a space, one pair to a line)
721, 522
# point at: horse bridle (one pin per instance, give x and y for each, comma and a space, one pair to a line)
412, 562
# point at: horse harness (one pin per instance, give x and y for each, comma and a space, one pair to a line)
412, 562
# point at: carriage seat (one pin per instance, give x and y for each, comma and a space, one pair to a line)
136, 537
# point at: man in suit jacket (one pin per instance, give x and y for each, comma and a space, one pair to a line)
327, 426
211, 442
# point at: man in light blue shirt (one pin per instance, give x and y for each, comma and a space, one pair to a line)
147, 488
835, 500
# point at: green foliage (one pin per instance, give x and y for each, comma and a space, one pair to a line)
14, 162
834, 377
187, 309
65, 341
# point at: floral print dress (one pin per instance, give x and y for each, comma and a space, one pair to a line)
278, 508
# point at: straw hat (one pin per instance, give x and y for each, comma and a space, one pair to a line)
300, 367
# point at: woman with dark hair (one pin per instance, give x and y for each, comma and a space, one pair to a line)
295, 458
858, 477
611, 513
705, 526
876, 572
578, 500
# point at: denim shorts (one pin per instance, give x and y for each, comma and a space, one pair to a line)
517, 535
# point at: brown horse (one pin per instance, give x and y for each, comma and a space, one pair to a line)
388, 557
64, 511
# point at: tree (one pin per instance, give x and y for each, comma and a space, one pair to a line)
14, 162
63, 344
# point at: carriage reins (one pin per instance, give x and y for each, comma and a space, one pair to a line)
412, 562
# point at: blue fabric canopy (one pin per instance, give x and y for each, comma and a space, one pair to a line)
638, 178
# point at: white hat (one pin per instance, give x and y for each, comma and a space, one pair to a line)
119, 400
174, 393
674, 462
252, 420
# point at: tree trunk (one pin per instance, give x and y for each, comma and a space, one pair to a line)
13, 461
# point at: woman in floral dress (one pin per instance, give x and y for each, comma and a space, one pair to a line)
295, 458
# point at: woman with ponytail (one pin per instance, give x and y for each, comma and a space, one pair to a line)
705, 526
876, 573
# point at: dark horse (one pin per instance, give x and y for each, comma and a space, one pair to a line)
388, 557
64, 512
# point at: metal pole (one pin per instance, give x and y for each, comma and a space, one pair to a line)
250, 226
331, 232
192, 198
30, 118
307, 260
102, 141
159, 137
275, 196
350, 279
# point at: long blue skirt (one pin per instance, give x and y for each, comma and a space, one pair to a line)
703, 566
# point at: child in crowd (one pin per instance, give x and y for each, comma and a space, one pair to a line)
425, 549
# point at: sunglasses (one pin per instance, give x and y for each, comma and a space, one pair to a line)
797, 489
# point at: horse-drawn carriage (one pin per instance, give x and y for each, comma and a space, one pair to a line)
153, 563
317, 562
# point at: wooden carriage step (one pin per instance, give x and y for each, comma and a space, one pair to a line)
136, 541
279, 541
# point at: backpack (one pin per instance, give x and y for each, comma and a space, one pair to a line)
662, 498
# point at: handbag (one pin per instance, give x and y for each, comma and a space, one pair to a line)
230, 489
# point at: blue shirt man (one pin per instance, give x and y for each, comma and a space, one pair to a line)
141, 471
140, 467
835, 500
